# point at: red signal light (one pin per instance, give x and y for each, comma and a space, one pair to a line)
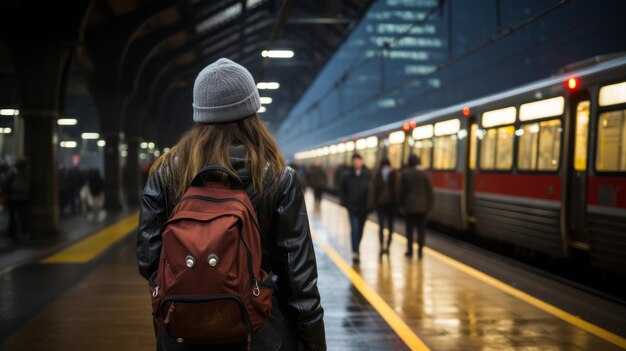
413, 124
572, 83
406, 127
466, 111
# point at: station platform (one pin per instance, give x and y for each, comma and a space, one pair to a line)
452, 299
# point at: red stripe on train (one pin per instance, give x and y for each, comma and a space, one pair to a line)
607, 191
539, 186
446, 180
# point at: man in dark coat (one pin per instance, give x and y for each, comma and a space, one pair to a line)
415, 192
354, 195
382, 197
317, 179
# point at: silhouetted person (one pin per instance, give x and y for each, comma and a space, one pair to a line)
382, 197
18, 193
318, 180
353, 196
415, 193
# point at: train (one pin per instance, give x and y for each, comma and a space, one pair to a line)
541, 166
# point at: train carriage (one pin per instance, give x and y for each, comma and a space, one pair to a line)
542, 166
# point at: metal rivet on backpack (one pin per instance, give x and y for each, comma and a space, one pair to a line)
212, 259
180, 340
190, 261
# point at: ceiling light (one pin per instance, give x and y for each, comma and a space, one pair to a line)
266, 100
150, 145
277, 53
144, 145
101, 143
9, 112
268, 85
262, 109
69, 144
90, 136
5, 130
67, 121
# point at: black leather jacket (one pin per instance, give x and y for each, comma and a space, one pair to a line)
287, 251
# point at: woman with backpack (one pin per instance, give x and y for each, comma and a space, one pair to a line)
229, 136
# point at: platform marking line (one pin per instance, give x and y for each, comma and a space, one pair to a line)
380, 305
544, 306
92, 246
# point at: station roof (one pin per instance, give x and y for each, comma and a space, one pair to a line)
166, 43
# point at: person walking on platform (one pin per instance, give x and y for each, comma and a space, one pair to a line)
415, 193
18, 194
229, 135
318, 180
353, 196
382, 197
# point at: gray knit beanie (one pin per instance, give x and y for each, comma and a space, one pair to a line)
224, 91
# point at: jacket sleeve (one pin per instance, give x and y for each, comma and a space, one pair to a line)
152, 215
294, 249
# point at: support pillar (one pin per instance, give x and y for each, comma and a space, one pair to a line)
131, 172
41, 71
112, 172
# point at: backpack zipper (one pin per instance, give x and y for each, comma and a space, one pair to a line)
200, 299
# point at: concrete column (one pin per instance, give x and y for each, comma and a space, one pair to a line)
40, 147
131, 172
112, 173
41, 71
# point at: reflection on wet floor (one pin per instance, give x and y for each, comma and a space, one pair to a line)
104, 304
446, 308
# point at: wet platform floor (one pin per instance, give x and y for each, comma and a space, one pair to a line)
427, 304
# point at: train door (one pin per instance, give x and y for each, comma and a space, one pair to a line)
470, 169
577, 204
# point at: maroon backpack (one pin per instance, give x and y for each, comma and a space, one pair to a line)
209, 287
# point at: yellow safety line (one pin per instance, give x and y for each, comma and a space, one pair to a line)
389, 315
89, 248
553, 310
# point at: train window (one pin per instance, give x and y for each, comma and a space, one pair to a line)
542, 109
499, 117
582, 126
496, 149
422, 148
611, 150
396, 141
540, 146
394, 153
445, 152
612, 94
472, 151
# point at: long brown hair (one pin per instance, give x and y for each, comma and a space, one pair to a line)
209, 144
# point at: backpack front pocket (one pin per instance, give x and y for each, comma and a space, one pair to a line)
205, 319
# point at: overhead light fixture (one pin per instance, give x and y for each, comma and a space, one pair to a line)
267, 85
102, 143
150, 145
262, 109
144, 145
67, 121
266, 100
124, 153
166, 150
9, 112
277, 53
5, 130
69, 144
90, 136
